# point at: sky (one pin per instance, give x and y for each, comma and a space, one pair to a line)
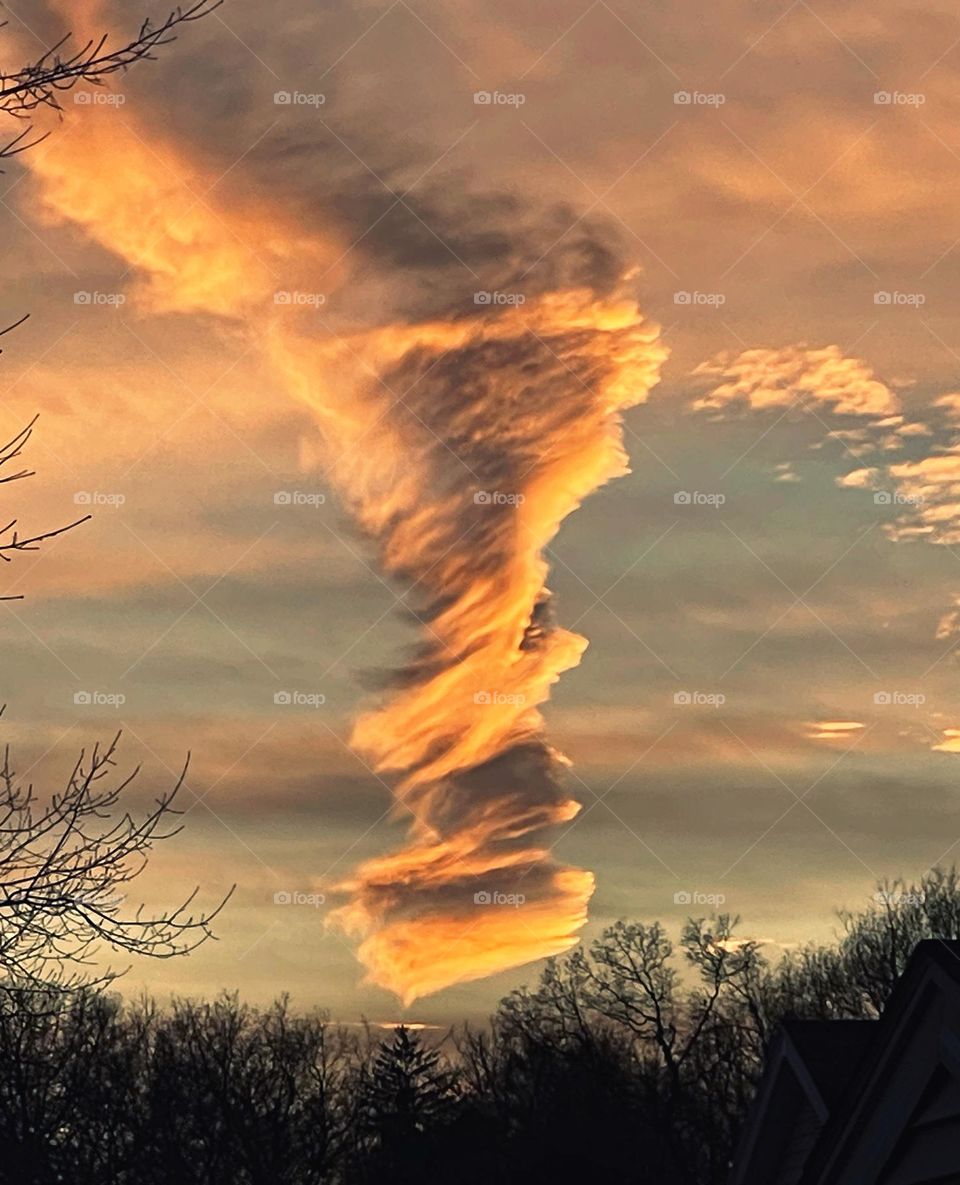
346, 325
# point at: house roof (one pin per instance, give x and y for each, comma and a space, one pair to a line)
823, 1079
831, 1051
934, 965
809, 1064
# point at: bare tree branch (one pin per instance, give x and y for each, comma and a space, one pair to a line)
11, 540
64, 868
41, 83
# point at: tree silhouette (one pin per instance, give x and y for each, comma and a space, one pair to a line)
407, 1095
568, 1082
64, 871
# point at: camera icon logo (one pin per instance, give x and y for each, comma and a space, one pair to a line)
282, 498
482, 898
282, 298
482, 298
882, 97
82, 498
482, 498
282, 697
682, 898
882, 697
282, 97
682, 98
82, 298
482, 97
882, 498
682, 298
482, 697
82, 697
682, 697
282, 898
882, 298
682, 498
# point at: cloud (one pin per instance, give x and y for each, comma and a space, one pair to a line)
950, 742
924, 492
458, 444
764, 378
157, 214
490, 430
833, 730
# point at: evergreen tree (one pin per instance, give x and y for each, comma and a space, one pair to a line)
407, 1096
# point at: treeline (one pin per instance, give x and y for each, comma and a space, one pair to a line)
630, 1061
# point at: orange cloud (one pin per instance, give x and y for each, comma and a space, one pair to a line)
190, 252
950, 742
459, 446
832, 730
425, 954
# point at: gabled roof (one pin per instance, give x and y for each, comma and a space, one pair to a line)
809, 1063
916, 1038
867, 1098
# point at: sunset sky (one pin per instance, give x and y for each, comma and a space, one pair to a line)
305, 286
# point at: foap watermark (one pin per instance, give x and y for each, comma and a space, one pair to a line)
499, 298
98, 899
498, 697
98, 498
896, 498
899, 99
111, 299
498, 498
704, 699
298, 498
300, 299
299, 98
695, 897
912, 299
714, 299
98, 99
899, 699
699, 98
494, 897
99, 699
498, 99
698, 498
898, 897
286, 897
299, 699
